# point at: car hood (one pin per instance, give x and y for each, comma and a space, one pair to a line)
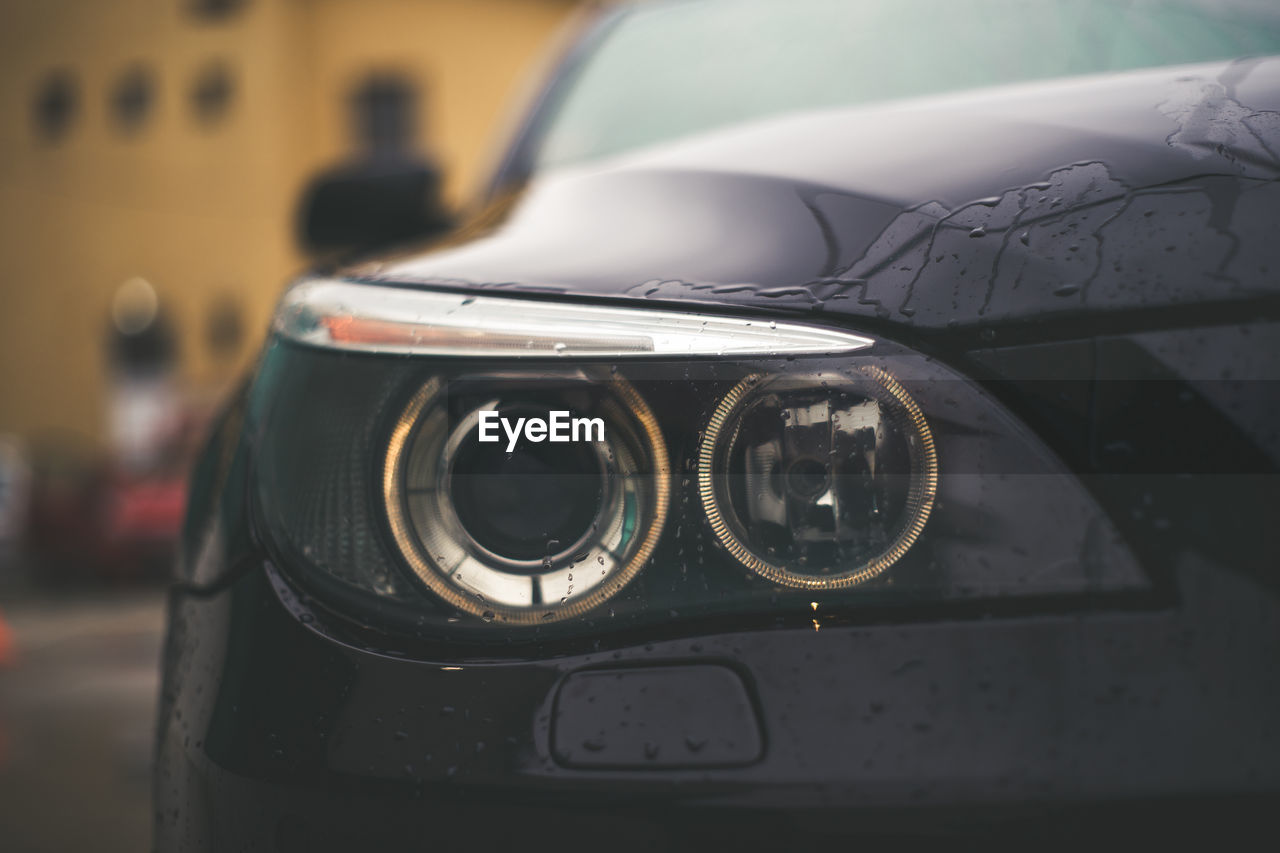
1124, 194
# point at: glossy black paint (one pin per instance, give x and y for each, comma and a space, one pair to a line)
1127, 194
278, 734
1101, 253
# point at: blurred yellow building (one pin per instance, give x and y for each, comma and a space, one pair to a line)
170, 139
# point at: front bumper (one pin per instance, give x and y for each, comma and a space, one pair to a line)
276, 732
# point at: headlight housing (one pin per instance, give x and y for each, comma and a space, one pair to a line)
534, 531
815, 483
478, 467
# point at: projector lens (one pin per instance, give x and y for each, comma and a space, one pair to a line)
818, 481
507, 503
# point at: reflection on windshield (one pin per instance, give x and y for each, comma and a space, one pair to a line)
670, 70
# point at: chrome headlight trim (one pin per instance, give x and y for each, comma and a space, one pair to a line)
923, 491
373, 318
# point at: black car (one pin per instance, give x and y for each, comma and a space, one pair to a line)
914, 366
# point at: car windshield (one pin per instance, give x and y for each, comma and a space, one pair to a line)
667, 70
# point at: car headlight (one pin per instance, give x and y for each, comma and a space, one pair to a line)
461, 463
526, 530
818, 484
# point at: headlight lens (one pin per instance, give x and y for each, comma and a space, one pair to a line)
532, 531
817, 483
805, 471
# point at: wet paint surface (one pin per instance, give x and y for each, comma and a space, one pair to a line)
1139, 191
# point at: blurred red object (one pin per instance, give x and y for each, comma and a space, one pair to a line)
146, 510
87, 521
8, 650
91, 516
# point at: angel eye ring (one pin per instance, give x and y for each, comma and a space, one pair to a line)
532, 531
818, 482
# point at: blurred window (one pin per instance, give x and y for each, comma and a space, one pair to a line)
132, 98
224, 327
215, 10
383, 112
55, 105
212, 92
673, 69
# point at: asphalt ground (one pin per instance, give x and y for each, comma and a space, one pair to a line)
77, 711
